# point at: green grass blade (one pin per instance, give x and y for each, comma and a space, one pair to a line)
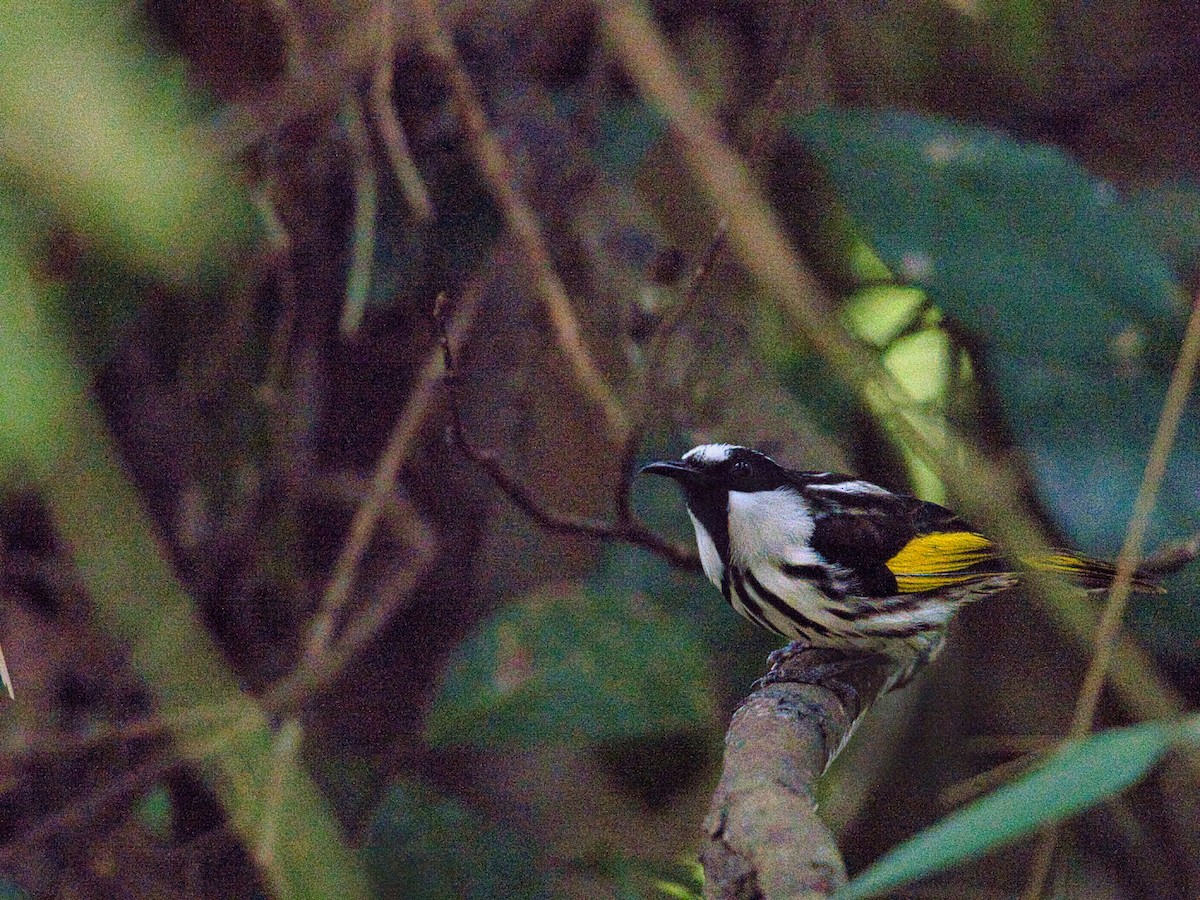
1075, 778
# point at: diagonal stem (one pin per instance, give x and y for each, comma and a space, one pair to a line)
1109, 629
519, 216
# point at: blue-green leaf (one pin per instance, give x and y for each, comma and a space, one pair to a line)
1067, 296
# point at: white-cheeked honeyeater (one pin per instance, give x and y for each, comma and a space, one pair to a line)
834, 561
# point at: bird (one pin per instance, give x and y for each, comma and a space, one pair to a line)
830, 560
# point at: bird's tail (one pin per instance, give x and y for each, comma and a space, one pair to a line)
1095, 574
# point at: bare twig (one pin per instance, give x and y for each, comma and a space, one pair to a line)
627, 527
391, 134
281, 263
977, 785
366, 518
283, 755
1127, 563
366, 207
496, 170
82, 809
52, 743
6, 677
315, 85
391, 597
701, 272
655, 353
763, 837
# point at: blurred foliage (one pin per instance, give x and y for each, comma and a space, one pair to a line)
420, 844
52, 432
1073, 779
99, 128
568, 665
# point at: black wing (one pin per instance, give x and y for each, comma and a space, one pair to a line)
861, 531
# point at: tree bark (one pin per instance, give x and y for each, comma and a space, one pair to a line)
763, 837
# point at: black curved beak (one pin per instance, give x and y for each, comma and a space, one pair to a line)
671, 468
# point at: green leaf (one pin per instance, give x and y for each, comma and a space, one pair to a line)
567, 665
154, 811
421, 844
1016, 240
1075, 778
1170, 215
1068, 299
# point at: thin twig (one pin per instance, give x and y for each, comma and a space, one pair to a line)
81, 809
653, 364
701, 272
391, 133
366, 207
391, 595
40, 745
366, 517
6, 677
283, 755
627, 527
299, 51
969, 788
314, 85
279, 240
1109, 629
494, 166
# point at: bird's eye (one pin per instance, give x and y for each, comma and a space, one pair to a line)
740, 469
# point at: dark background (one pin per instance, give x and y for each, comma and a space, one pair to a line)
506, 709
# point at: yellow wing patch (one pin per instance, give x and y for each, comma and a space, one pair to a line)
929, 561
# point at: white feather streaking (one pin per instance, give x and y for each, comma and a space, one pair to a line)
710, 559
767, 529
850, 487
710, 453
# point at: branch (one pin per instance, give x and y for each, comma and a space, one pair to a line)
763, 837
391, 132
627, 527
323, 658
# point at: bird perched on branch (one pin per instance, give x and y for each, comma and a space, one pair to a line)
833, 561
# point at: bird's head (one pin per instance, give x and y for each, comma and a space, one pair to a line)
715, 469
716, 479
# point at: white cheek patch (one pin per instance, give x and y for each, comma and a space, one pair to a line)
769, 525
710, 559
710, 453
